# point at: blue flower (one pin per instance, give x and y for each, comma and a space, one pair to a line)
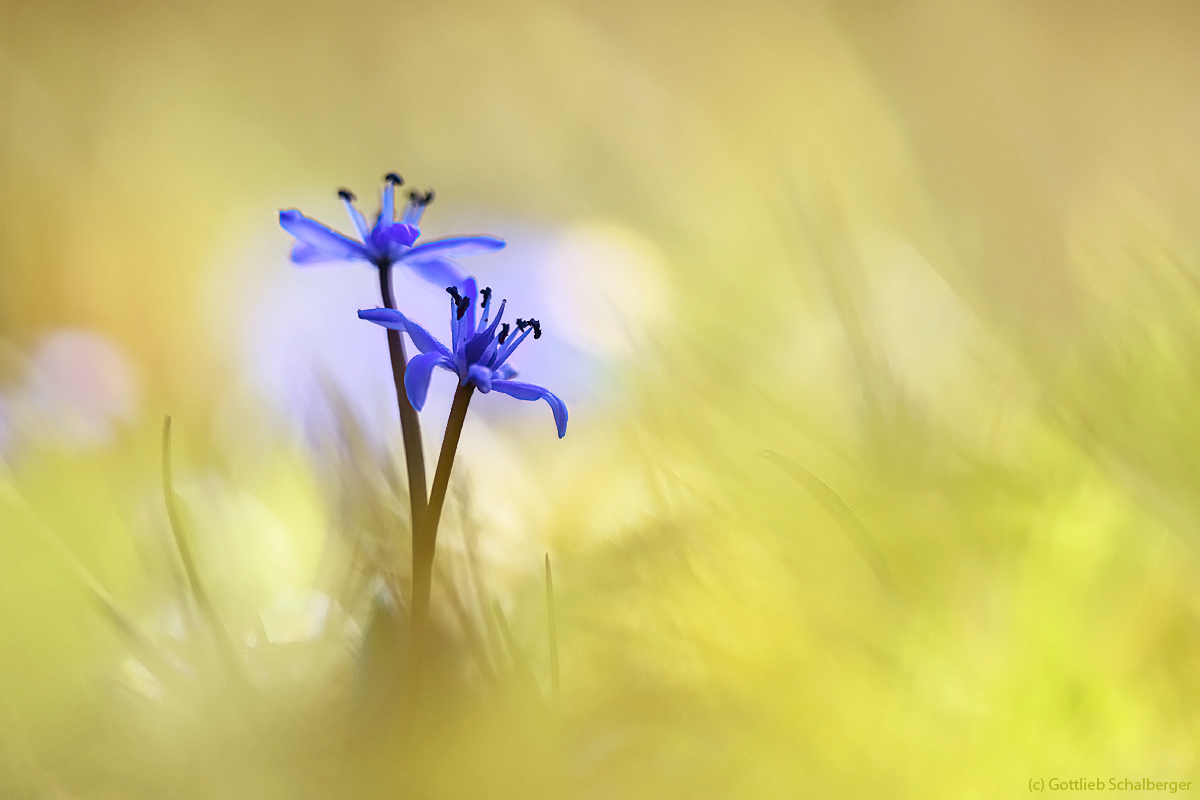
389, 241
478, 352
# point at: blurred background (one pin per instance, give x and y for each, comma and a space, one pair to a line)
878, 326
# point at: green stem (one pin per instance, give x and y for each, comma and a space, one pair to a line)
425, 539
410, 424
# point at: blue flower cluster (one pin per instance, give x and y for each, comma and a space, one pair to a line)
479, 347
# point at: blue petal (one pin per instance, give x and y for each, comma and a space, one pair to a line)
510, 345
490, 331
417, 374
458, 322
386, 317
470, 290
421, 338
437, 271
424, 341
477, 348
528, 391
307, 254
506, 373
481, 377
455, 246
332, 244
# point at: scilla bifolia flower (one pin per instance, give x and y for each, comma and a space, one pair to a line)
390, 241
478, 355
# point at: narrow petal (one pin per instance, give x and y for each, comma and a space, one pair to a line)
470, 290
307, 254
491, 329
334, 245
488, 357
478, 346
360, 224
386, 317
528, 391
417, 374
455, 246
424, 341
421, 338
467, 290
437, 271
509, 346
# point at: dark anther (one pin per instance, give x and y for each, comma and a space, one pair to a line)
394, 178
421, 198
537, 328
503, 333
461, 304
428, 197
346, 194
521, 324
487, 294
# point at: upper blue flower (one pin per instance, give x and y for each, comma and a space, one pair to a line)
389, 241
478, 351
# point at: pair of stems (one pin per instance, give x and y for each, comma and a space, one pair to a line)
426, 510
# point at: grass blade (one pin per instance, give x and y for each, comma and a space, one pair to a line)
207, 610
552, 620
842, 514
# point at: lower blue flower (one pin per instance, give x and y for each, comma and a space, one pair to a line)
478, 353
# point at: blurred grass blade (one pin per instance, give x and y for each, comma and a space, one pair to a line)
842, 514
379, 668
151, 656
224, 644
521, 666
473, 638
552, 621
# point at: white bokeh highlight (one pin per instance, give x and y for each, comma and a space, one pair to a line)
75, 389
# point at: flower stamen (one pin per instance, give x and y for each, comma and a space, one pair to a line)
461, 304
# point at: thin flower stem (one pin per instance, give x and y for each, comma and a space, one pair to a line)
410, 424
425, 542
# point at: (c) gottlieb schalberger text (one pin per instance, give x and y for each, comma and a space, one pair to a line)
1111, 784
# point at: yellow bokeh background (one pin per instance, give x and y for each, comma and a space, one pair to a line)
939, 258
